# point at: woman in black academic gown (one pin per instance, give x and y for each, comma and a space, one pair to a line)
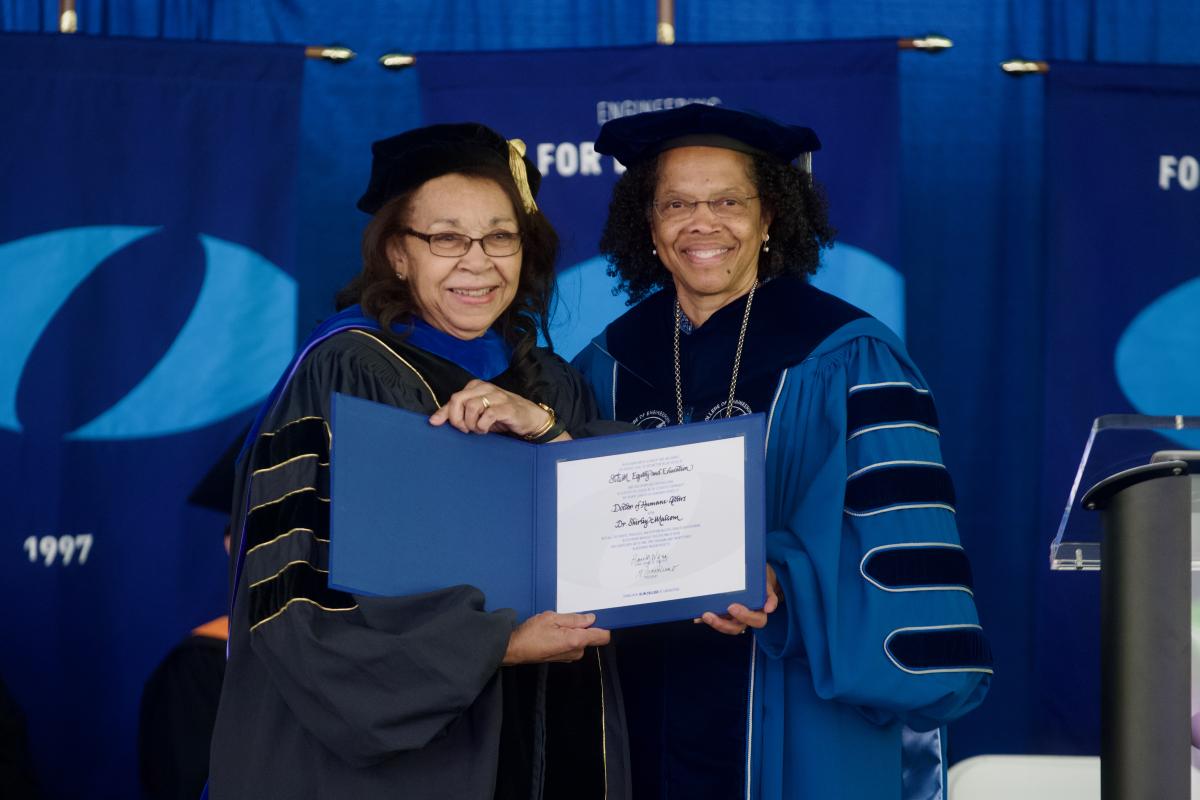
329, 694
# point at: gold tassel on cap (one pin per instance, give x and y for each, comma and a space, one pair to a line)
516, 164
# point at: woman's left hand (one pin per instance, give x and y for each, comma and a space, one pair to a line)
482, 407
739, 617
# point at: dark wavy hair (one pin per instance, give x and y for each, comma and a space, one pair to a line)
799, 225
388, 299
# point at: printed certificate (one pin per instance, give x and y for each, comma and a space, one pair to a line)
652, 525
638, 528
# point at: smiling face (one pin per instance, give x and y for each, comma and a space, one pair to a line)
460, 295
712, 259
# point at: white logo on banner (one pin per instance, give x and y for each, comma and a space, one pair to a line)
1156, 357
1183, 170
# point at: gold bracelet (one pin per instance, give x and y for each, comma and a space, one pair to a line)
540, 432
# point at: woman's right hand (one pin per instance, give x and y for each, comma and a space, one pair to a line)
553, 637
482, 407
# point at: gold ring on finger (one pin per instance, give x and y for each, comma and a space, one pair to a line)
486, 403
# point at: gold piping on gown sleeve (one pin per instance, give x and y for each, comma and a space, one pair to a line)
289, 461
285, 496
328, 432
283, 569
284, 535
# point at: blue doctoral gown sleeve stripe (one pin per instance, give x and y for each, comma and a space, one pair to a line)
940, 649
925, 565
829, 641
889, 405
842, 633
898, 487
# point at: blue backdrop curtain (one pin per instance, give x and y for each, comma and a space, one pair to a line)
971, 210
1122, 318
146, 223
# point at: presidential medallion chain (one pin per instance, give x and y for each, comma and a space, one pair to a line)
737, 357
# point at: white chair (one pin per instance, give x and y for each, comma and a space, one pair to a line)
1025, 778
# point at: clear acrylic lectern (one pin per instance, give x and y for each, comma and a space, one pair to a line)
1134, 514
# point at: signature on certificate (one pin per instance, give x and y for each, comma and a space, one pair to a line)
648, 566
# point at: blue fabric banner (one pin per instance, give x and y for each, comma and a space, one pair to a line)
556, 100
147, 232
1122, 319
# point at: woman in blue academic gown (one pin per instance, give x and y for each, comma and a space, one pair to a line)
869, 641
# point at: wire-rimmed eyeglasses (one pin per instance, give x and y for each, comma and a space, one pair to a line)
452, 245
675, 209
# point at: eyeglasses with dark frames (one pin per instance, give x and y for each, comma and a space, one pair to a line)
452, 245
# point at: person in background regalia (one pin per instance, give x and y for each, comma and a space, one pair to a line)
179, 700
331, 695
17, 779
873, 643
177, 712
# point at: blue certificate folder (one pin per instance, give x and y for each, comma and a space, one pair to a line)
417, 508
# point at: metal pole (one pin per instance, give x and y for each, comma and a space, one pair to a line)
334, 53
929, 43
1018, 66
666, 22
1145, 642
68, 20
397, 61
